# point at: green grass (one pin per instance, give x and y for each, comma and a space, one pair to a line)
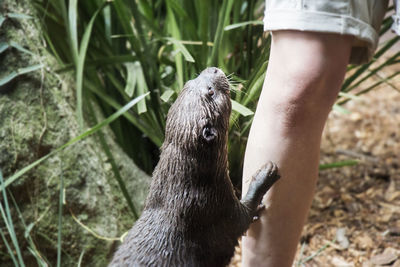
156, 46
141, 53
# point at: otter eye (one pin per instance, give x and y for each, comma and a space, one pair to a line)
209, 133
211, 91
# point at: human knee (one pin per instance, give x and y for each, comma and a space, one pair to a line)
303, 83
303, 97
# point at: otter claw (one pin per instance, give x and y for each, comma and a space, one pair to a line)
259, 209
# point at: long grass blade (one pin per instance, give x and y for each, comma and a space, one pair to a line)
115, 169
81, 62
60, 209
242, 24
131, 79
81, 258
135, 120
10, 252
9, 223
18, 16
20, 48
364, 67
222, 22
31, 245
21, 71
319, 251
338, 164
181, 48
73, 28
241, 109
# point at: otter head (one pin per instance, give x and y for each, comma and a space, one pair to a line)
199, 118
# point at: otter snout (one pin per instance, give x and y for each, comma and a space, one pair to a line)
213, 70
214, 79
214, 73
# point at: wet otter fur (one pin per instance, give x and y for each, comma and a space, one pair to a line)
192, 216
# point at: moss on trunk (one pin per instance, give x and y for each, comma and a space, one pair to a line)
37, 115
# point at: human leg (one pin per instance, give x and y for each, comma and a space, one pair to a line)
303, 79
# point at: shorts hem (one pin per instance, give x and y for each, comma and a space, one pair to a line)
303, 20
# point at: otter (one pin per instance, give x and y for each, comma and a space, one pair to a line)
192, 216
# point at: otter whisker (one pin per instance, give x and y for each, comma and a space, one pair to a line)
230, 75
234, 82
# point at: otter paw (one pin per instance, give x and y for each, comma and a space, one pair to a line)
261, 182
265, 177
267, 171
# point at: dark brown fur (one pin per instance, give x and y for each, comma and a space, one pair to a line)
192, 216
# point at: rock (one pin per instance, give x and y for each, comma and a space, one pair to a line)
396, 264
341, 238
339, 262
385, 258
37, 116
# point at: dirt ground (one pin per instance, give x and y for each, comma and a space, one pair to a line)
355, 216
356, 210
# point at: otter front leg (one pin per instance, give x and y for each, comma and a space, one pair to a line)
262, 181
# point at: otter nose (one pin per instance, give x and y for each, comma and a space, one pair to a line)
213, 70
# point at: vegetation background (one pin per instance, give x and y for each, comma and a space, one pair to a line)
110, 70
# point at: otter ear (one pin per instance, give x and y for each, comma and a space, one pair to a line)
209, 133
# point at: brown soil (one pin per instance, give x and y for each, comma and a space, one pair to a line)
356, 210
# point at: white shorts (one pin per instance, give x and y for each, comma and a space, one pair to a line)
360, 18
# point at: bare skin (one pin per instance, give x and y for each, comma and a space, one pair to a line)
304, 76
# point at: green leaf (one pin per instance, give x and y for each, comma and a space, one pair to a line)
9, 77
361, 69
338, 164
348, 95
241, 109
139, 82
136, 80
28, 230
101, 61
340, 109
18, 16
107, 22
147, 129
90, 131
81, 62
181, 48
142, 88
9, 249
176, 33
81, 258
73, 29
167, 95
29, 69
9, 223
2, 19
223, 20
131, 78
20, 48
60, 208
242, 24
3, 46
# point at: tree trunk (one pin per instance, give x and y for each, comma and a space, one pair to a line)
37, 115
